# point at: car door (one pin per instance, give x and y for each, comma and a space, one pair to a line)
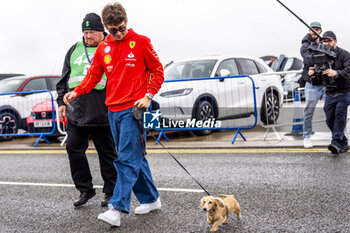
247, 67
229, 96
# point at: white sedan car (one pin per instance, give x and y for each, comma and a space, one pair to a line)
202, 89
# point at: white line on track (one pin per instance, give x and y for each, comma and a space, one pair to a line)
183, 151
97, 186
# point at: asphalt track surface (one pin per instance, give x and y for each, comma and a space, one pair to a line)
278, 190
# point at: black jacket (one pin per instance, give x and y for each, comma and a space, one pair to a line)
87, 110
342, 66
305, 53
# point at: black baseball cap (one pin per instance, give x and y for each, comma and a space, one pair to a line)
329, 35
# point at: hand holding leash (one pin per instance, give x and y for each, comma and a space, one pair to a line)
139, 107
143, 103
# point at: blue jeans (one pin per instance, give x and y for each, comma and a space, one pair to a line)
312, 95
336, 109
133, 171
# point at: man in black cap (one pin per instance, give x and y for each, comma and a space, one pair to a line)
337, 95
312, 92
87, 115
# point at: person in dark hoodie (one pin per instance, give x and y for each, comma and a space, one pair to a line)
337, 95
312, 93
87, 116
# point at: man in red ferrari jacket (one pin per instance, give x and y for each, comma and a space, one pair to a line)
134, 74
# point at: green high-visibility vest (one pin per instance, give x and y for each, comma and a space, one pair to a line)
80, 65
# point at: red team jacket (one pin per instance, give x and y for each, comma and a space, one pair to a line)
132, 68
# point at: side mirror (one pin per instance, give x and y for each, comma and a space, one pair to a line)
224, 73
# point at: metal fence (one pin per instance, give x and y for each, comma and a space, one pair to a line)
28, 113
202, 105
290, 114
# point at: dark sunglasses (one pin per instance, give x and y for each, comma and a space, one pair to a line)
114, 31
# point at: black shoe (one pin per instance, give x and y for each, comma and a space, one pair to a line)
344, 149
334, 149
105, 201
84, 197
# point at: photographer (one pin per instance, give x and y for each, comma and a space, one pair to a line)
337, 95
312, 93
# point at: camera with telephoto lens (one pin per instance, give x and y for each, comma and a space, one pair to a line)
321, 58
136, 113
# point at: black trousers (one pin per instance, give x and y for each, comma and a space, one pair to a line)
77, 144
336, 109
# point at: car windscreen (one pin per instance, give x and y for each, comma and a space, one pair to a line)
10, 85
189, 69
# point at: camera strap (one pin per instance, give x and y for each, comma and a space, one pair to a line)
180, 164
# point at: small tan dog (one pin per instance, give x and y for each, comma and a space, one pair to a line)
218, 210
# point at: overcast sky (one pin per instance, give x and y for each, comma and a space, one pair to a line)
36, 34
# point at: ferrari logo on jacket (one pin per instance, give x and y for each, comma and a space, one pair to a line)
132, 44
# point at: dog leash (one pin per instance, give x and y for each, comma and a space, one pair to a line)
180, 164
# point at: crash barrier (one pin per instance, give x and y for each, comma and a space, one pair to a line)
27, 113
202, 105
60, 128
289, 116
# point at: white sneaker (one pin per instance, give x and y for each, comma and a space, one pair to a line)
111, 216
308, 143
146, 208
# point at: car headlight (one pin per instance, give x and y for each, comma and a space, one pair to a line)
179, 92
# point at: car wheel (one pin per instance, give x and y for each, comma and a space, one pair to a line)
8, 125
270, 109
203, 111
